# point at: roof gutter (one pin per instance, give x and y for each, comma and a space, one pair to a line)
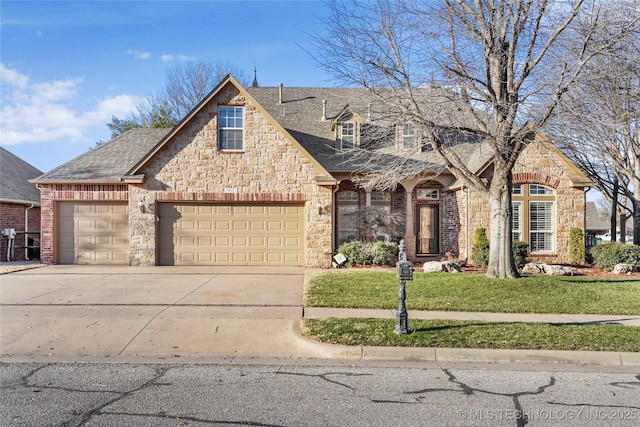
133, 179
20, 202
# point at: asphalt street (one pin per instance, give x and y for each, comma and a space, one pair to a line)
263, 393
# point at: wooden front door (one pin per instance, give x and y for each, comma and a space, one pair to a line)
428, 230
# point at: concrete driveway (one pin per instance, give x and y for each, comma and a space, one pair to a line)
155, 311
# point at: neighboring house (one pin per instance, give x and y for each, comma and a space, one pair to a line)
19, 209
263, 176
596, 222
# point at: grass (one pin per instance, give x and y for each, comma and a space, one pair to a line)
476, 334
476, 292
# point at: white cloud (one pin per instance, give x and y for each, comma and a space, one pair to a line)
44, 111
139, 54
168, 57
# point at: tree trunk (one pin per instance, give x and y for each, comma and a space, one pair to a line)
614, 209
501, 262
636, 219
623, 228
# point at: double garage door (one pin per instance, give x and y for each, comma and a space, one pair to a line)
188, 234
251, 234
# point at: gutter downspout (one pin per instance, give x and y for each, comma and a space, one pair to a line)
26, 230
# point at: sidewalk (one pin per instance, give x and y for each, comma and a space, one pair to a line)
341, 313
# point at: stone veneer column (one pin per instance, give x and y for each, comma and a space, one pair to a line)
410, 233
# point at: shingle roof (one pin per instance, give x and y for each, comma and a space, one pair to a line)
300, 114
15, 174
594, 219
108, 162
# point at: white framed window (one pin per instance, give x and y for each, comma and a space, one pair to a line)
541, 226
540, 190
427, 194
533, 217
347, 135
230, 128
516, 221
408, 136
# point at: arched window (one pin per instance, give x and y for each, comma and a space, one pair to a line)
534, 219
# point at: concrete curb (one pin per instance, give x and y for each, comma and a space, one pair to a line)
468, 355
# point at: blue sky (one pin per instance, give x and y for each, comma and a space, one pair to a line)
67, 66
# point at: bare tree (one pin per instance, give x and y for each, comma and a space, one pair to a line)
487, 57
187, 84
598, 120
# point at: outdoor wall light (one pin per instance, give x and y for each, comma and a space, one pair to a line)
141, 206
320, 209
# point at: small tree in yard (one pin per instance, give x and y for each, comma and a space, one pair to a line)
472, 67
480, 251
576, 246
372, 222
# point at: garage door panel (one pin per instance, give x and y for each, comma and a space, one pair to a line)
230, 234
92, 233
222, 225
205, 225
240, 241
275, 226
257, 242
239, 225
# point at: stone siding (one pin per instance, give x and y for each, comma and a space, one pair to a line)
569, 201
270, 168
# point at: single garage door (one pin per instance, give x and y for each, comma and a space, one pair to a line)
93, 233
203, 234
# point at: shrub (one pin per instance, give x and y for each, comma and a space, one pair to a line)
606, 256
383, 253
576, 246
480, 251
355, 253
367, 253
520, 250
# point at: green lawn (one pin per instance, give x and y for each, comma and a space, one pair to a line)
475, 334
476, 292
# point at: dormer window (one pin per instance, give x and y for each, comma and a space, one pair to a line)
408, 136
347, 135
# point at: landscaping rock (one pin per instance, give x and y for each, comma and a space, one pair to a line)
624, 269
533, 268
551, 270
439, 267
558, 270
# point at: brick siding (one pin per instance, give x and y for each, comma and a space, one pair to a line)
12, 215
